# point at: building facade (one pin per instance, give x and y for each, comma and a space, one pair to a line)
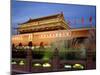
48, 30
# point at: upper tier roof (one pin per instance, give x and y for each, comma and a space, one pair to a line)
43, 18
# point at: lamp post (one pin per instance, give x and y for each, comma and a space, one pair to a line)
55, 60
29, 57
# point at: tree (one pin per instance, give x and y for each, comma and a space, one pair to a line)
30, 44
20, 44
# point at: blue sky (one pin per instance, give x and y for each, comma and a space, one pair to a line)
22, 11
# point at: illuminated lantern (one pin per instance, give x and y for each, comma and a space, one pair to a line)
78, 66
21, 62
46, 65
13, 62
37, 64
68, 66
